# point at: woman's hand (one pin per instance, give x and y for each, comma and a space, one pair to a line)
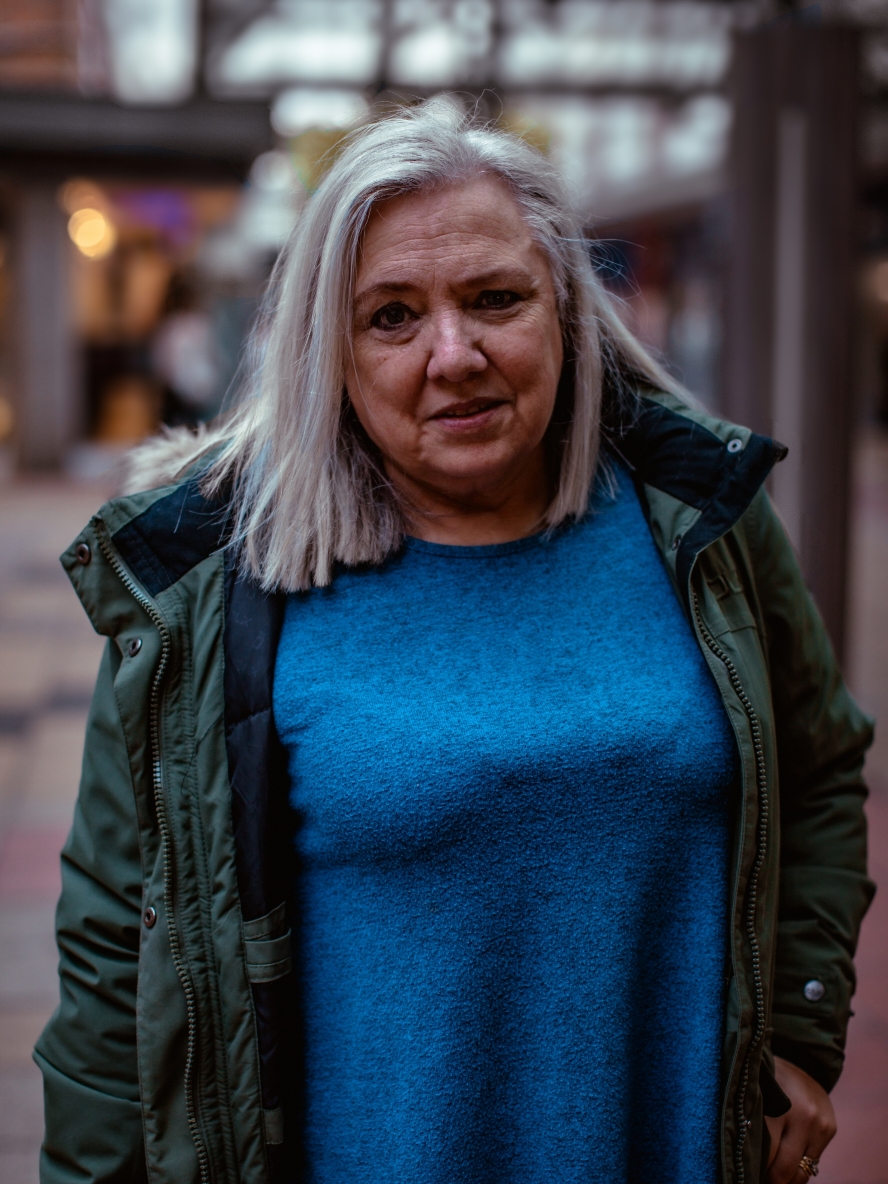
804, 1130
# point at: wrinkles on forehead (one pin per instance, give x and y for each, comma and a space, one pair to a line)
467, 236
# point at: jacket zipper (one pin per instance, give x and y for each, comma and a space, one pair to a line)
164, 827
752, 889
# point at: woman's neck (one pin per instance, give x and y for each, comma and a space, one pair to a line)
473, 518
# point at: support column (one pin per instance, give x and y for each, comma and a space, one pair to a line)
790, 317
48, 411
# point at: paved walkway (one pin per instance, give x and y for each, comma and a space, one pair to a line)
48, 659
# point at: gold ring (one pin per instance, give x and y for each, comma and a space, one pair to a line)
809, 1166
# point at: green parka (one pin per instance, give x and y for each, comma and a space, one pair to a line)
162, 1061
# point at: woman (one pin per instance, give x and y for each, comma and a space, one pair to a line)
472, 653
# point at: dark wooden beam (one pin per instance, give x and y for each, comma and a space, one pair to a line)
49, 134
791, 298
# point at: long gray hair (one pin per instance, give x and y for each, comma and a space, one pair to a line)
308, 489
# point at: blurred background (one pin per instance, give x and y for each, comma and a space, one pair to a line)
730, 162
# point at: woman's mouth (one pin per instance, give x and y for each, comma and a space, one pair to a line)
470, 414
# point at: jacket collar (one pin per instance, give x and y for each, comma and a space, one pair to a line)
709, 468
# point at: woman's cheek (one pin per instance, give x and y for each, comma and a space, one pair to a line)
522, 354
391, 394
400, 377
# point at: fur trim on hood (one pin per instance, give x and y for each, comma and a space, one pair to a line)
163, 458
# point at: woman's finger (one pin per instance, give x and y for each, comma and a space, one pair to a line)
775, 1132
793, 1145
806, 1133
809, 1136
809, 1124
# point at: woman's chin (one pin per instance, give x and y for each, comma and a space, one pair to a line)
468, 479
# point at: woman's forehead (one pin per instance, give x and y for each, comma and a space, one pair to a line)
476, 223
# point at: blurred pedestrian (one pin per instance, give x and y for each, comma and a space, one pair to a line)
470, 792
185, 356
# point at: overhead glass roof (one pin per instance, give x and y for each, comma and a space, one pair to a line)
306, 41
630, 43
523, 43
629, 95
436, 43
153, 49
254, 47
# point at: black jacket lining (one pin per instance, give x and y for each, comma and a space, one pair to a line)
679, 457
261, 821
738, 487
172, 536
673, 454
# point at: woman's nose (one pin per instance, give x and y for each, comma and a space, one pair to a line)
455, 349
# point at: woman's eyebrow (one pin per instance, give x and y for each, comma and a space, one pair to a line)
385, 287
500, 277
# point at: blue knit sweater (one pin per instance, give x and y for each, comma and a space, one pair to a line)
512, 774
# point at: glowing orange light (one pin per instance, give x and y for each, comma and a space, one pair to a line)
91, 232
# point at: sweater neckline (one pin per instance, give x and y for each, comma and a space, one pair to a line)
481, 551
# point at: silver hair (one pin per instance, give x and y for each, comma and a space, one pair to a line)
308, 489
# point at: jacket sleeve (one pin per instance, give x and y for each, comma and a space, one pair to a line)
87, 1053
822, 737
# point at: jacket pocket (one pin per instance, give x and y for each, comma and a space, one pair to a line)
267, 947
727, 602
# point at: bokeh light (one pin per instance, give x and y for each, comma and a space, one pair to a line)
92, 233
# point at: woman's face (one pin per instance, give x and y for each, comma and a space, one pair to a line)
456, 345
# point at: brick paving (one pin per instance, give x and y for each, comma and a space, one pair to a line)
48, 659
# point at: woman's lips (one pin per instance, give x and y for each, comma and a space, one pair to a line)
469, 416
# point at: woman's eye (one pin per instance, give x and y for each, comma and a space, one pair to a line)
391, 316
497, 299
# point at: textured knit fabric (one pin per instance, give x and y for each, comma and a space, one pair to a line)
511, 774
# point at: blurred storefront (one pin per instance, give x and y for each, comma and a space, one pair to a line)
164, 280
113, 223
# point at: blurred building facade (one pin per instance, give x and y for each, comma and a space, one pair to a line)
154, 155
